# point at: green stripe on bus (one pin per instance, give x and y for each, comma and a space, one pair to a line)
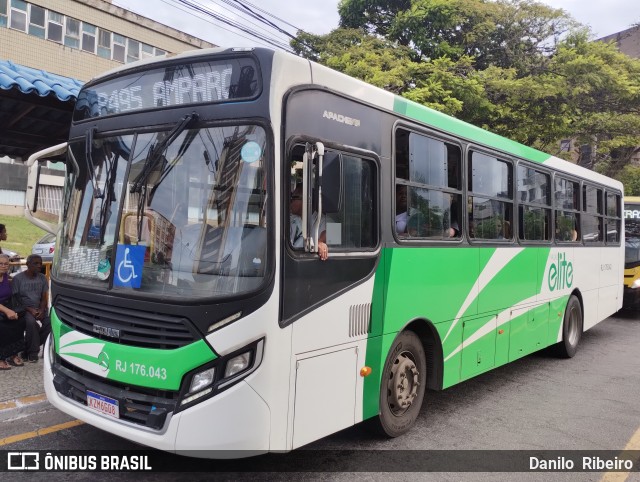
145, 367
476, 298
467, 131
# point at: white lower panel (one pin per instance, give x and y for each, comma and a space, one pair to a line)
325, 395
235, 420
608, 303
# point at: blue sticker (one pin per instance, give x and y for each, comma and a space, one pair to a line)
129, 263
251, 152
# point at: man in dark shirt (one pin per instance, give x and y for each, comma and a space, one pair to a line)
32, 289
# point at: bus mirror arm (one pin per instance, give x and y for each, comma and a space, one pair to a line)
33, 181
316, 226
307, 165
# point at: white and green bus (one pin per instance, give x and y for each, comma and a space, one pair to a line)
186, 318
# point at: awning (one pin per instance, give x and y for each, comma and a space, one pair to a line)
35, 108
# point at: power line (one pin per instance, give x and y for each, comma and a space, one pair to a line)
232, 23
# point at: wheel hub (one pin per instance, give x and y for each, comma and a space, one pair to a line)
403, 384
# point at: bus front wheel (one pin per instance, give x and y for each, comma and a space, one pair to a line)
571, 329
402, 386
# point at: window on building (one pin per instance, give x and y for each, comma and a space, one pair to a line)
19, 15
490, 202
146, 51
4, 13
119, 46
54, 26
534, 194
428, 189
133, 50
565, 145
89, 37
592, 219
104, 43
160, 52
72, 33
37, 21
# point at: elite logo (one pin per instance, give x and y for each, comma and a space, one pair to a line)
560, 274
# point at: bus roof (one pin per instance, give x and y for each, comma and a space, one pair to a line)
377, 97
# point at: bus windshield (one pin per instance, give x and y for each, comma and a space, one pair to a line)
179, 212
632, 235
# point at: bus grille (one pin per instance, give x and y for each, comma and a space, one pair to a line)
149, 409
126, 326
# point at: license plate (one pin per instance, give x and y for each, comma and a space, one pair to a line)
101, 404
37, 251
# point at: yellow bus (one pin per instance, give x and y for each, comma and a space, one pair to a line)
632, 252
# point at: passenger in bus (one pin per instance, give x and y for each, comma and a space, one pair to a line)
402, 215
453, 230
11, 321
295, 220
31, 289
418, 226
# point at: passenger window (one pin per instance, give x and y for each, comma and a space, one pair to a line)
567, 210
592, 220
428, 189
534, 216
349, 206
613, 218
490, 202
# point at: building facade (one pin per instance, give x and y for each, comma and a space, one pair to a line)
43, 42
82, 38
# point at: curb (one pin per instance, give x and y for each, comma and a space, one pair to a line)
21, 406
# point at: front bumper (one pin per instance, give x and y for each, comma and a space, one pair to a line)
237, 419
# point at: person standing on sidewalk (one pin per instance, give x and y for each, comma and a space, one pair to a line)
3, 234
12, 322
32, 288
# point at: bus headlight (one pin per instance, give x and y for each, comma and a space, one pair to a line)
635, 284
237, 364
206, 381
52, 350
202, 380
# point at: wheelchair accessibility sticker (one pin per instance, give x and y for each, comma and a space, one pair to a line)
129, 263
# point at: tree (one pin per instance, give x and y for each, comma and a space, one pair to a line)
506, 33
516, 67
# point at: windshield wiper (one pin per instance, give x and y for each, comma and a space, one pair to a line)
156, 150
183, 148
88, 156
154, 155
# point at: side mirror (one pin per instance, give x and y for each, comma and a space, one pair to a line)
33, 184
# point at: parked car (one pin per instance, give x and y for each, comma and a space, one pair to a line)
14, 258
45, 247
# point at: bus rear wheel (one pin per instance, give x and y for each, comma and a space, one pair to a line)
571, 329
402, 386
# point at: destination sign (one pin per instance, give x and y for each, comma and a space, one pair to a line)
632, 212
175, 85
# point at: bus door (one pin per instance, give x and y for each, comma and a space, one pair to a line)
330, 202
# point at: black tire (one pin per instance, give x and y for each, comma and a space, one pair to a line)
402, 386
571, 329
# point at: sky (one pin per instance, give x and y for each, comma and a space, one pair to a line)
321, 16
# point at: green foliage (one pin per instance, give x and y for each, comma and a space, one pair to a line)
21, 234
516, 67
630, 176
